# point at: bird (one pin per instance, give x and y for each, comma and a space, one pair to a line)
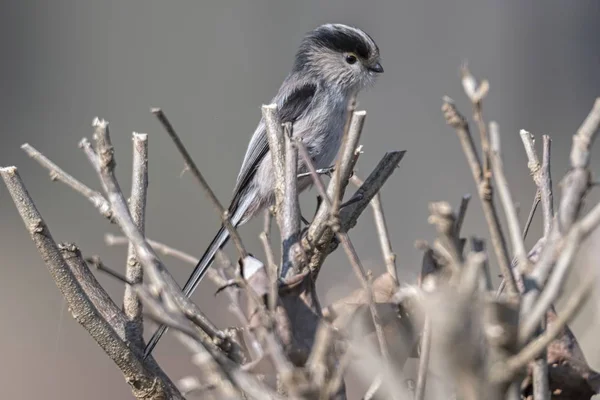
333, 63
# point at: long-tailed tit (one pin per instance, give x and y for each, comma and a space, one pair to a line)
334, 62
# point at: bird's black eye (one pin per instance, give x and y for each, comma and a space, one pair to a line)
351, 59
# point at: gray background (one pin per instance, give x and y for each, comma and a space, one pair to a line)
210, 65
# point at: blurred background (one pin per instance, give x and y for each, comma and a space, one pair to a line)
210, 65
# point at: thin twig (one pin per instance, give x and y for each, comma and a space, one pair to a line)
189, 162
137, 208
461, 213
423, 360
154, 269
212, 363
56, 173
557, 279
537, 346
113, 240
318, 362
345, 167
382, 232
546, 185
272, 266
514, 227
458, 122
350, 140
534, 206
574, 187
97, 263
219, 280
350, 252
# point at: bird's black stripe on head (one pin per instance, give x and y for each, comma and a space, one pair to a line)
343, 41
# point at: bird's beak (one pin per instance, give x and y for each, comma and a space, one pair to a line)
376, 68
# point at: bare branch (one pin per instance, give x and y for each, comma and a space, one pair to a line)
556, 281
212, 363
189, 162
458, 122
154, 269
546, 186
574, 187
537, 346
443, 218
423, 360
461, 213
273, 268
350, 252
382, 232
352, 132
56, 173
137, 207
290, 212
514, 227
217, 278
534, 205
541, 175
346, 162
81, 291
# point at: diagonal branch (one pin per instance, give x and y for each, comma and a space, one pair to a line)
382, 232
86, 298
189, 162
104, 163
458, 122
56, 173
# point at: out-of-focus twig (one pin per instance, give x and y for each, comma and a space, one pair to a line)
458, 122
290, 211
514, 228
541, 175
461, 213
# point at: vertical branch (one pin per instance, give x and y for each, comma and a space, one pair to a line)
272, 267
541, 175
290, 212
546, 186
461, 214
350, 252
423, 360
458, 122
348, 145
277, 152
347, 160
514, 227
137, 207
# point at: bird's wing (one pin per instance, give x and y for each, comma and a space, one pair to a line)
290, 108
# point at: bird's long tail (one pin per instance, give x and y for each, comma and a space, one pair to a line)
199, 271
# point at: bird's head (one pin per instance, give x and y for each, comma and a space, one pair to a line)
341, 55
